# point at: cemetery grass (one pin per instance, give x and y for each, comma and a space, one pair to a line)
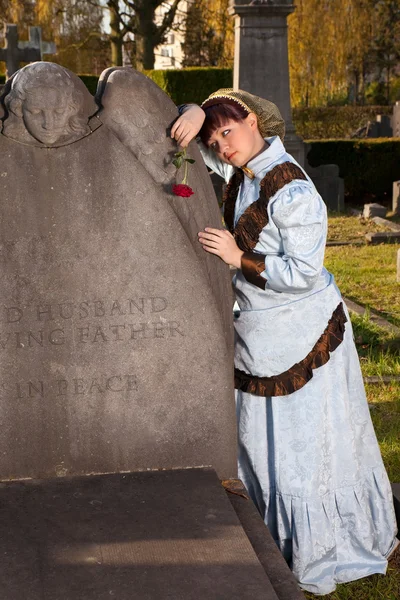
349, 228
378, 357
367, 275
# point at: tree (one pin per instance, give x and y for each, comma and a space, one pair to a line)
316, 58
331, 50
208, 34
138, 17
387, 40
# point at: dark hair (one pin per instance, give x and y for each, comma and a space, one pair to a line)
218, 115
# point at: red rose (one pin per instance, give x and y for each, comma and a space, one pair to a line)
182, 190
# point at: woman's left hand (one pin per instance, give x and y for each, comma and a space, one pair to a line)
222, 243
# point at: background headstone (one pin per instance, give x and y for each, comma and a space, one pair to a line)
374, 210
329, 185
396, 120
380, 128
115, 338
396, 197
16, 51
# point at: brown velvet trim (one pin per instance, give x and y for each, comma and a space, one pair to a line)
255, 217
252, 265
297, 376
229, 199
278, 177
251, 224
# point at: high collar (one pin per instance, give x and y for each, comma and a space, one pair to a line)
260, 164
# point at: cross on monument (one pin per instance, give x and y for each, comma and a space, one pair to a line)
15, 52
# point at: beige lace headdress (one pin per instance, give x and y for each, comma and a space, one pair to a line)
269, 119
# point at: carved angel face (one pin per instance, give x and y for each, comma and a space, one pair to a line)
46, 114
45, 105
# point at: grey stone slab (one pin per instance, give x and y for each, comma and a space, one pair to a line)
396, 196
386, 223
378, 320
396, 120
383, 379
389, 237
116, 334
374, 210
279, 574
164, 535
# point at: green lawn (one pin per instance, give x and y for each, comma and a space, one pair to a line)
367, 275
346, 228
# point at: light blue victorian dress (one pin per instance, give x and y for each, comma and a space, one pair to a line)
307, 455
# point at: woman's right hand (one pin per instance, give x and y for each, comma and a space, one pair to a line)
188, 125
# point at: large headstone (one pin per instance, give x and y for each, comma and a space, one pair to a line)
115, 338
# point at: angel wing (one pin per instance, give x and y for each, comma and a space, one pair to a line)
139, 113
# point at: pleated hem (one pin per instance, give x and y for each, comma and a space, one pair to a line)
339, 537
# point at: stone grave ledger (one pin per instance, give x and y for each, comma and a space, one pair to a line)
115, 339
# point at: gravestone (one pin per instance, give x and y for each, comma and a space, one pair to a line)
116, 395
374, 210
396, 120
396, 198
16, 51
329, 185
381, 127
116, 329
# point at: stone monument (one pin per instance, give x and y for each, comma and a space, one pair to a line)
395, 121
261, 64
115, 323
261, 67
116, 396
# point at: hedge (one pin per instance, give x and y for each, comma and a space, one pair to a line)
192, 84
91, 82
334, 121
368, 166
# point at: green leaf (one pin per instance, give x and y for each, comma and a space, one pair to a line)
190, 160
177, 162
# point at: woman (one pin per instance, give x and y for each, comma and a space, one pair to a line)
308, 454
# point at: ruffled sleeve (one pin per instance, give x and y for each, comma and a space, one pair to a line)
215, 164
299, 214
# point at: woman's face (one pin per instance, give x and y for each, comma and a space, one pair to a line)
237, 142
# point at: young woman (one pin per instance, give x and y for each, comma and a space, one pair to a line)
308, 454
